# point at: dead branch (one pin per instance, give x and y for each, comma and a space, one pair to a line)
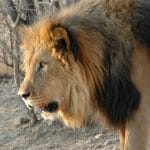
12, 12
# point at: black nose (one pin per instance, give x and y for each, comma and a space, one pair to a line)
53, 106
25, 95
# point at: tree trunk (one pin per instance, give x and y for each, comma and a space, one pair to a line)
29, 10
12, 11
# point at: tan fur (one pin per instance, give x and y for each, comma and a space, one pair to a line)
141, 123
72, 82
135, 134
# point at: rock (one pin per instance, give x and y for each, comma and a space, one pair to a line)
108, 142
49, 122
98, 136
20, 120
24, 120
105, 131
99, 146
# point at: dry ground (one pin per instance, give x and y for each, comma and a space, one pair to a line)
17, 136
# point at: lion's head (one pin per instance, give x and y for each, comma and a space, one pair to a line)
55, 80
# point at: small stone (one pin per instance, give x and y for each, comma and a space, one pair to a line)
99, 146
98, 136
24, 120
20, 120
107, 142
104, 131
49, 122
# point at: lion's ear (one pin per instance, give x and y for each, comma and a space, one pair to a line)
62, 43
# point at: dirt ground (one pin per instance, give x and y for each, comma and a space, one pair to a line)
43, 135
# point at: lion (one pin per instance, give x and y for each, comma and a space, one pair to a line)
91, 63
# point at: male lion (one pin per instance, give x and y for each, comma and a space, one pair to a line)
92, 63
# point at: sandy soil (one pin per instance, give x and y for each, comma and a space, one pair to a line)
18, 136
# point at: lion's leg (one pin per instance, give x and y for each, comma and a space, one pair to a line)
136, 134
122, 137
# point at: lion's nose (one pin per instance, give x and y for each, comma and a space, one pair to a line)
24, 94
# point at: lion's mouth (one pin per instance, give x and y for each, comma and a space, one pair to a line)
51, 107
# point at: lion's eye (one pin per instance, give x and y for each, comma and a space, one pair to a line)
42, 65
